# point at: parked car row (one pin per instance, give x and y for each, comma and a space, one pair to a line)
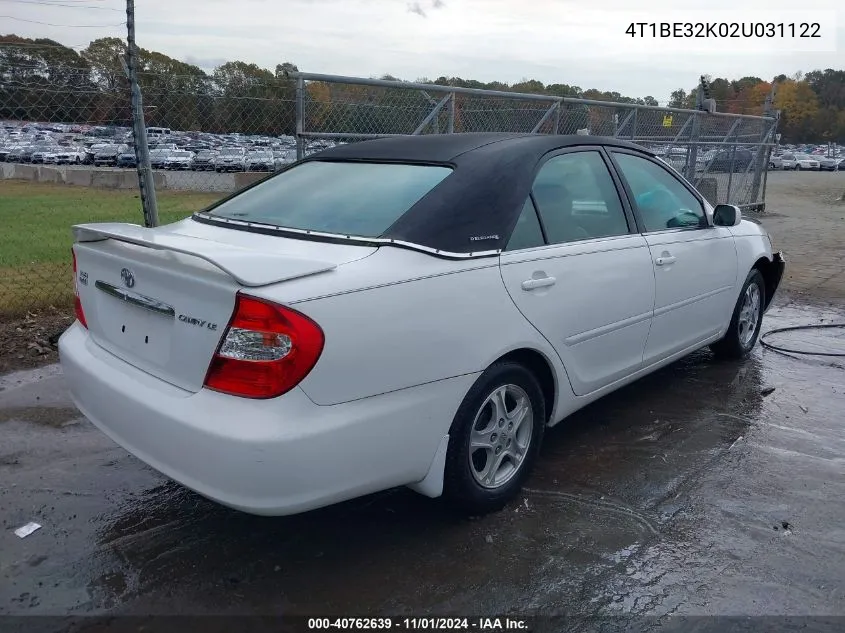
22, 142
798, 161
227, 159
737, 159
804, 157
51, 154
111, 155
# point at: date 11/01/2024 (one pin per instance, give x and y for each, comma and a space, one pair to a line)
802, 30
418, 624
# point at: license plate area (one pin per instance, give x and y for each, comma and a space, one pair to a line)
133, 327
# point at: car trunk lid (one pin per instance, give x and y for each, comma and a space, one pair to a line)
160, 299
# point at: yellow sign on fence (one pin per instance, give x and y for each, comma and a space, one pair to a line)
667, 120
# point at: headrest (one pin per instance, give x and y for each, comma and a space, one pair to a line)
553, 195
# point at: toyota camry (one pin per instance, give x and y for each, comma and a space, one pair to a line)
410, 311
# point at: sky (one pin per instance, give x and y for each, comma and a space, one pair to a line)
553, 41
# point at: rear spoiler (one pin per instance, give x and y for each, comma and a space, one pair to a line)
247, 266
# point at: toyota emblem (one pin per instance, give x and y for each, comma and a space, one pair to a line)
127, 277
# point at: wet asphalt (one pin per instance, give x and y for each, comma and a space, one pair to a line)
706, 488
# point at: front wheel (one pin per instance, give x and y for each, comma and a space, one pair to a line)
494, 439
747, 318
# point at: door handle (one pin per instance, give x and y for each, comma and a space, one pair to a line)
543, 282
664, 260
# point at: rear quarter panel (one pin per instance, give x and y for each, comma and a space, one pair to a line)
400, 318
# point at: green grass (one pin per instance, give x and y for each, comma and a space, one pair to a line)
35, 235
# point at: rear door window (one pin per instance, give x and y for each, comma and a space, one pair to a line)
577, 199
347, 198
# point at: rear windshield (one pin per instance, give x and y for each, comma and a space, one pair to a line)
361, 199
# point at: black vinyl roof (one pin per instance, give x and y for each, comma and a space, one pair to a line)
476, 207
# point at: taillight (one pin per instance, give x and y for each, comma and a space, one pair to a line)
266, 350
77, 304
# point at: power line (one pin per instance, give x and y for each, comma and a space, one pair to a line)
40, 46
70, 26
48, 3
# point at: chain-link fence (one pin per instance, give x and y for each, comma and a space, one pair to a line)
725, 155
212, 135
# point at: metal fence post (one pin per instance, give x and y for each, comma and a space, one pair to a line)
692, 154
557, 116
731, 173
450, 126
764, 152
146, 184
762, 160
768, 155
300, 116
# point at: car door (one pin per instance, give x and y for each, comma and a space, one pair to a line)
578, 270
695, 262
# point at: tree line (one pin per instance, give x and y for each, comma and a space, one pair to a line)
812, 105
42, 80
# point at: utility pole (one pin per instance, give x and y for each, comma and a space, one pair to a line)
139, 129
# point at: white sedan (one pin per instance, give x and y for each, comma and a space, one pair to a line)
403, 312
178, 159
70, 156
798, 162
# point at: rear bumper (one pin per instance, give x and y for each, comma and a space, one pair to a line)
270, 457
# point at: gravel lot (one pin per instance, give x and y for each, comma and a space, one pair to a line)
808, 224
705, 489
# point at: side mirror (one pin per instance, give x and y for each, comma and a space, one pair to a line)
727, 215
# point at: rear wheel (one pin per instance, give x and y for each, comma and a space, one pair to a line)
494, 439
747, 318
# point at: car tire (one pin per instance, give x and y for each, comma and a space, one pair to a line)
746, 320
797, 167
469, 487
